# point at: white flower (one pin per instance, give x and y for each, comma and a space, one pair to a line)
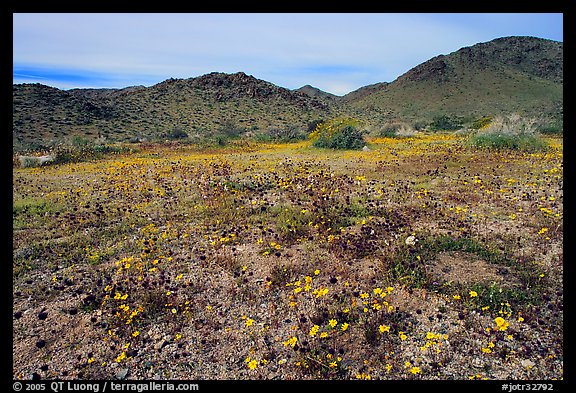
411, 240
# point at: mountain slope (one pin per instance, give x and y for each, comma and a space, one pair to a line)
42, 114
197, 106
511, 74
317, 93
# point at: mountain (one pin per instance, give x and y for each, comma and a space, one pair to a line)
317, 93
196, 106
364, 91
42, 113
510, 74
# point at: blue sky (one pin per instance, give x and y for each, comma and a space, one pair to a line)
336, 52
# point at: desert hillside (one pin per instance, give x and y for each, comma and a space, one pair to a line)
508, 75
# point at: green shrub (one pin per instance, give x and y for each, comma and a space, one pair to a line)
481, 123
229, 129
512, 132
288, 134
80, 142
551, 129
389, 130
338, 134
419, 125
445, 123
67, 154
507, 141
177, 133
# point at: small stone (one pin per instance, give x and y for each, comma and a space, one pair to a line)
161, 344
411, 240
527, 363
40, 343
121, 374
42, 315
476, 362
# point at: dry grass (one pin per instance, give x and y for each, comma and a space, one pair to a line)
282, 262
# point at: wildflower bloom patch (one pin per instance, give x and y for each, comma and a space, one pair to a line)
421, 257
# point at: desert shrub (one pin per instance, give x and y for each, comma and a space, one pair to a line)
229, 129
177, 133
396, 129
389, 130
511, 132
550, 129
419, 125
80, 142
511, 142
348, 138
66, 154
338, 134
481, 123
288, 134
313, 124
445, 123
79, 150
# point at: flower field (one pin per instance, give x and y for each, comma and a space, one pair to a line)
421, 258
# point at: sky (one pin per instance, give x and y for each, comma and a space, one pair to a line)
335, 52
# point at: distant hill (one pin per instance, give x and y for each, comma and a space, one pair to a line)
317, 93
42, 114
511, 74
196, 106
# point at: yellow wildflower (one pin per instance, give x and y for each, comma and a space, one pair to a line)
320, 292
415, 370
314, 330
252, 364
501, 323
291, 341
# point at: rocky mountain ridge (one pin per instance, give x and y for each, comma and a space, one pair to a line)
510, 74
